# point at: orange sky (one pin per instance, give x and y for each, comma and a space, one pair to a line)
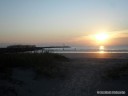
57, 22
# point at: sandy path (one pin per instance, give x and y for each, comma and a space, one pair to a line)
82, 82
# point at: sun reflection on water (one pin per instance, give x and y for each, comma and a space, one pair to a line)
101, 49
102, 52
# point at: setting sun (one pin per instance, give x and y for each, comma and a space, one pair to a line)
102, 36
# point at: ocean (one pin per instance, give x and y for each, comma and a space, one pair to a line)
89, 50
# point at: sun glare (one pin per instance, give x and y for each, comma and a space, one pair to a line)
102, 36
101, 49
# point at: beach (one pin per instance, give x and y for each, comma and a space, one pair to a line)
63, 47
86, 76
96, 55
90, 71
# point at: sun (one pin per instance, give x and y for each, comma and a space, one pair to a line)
101, 36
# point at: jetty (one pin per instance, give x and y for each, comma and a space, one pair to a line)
26, 48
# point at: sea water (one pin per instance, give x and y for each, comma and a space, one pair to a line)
89, 50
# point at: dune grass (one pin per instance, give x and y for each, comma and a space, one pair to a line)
46, 64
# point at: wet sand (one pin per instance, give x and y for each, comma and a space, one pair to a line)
96, 55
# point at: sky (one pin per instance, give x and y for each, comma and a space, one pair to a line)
70, 22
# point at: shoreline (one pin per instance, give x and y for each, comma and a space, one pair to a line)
96, 55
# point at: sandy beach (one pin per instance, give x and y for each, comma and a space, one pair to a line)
85, 77
89, 72
96, 55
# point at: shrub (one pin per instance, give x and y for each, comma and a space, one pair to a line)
47, 64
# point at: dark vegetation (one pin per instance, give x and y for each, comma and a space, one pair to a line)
47, 64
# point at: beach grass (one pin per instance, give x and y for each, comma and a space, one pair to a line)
47, 64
